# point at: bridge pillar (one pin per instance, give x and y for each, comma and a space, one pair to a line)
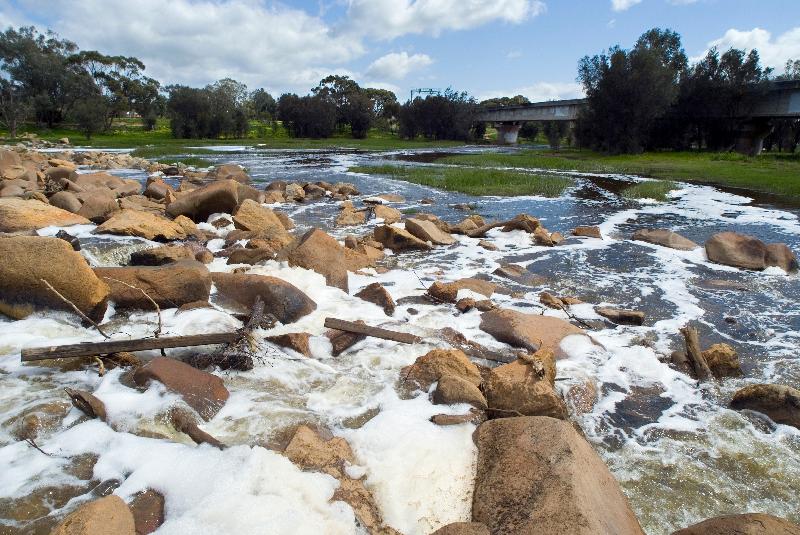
507, 133
751, 135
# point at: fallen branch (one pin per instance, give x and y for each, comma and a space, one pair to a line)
240, 353
90, 349
157, 332
375, 332
695, 355
75, 308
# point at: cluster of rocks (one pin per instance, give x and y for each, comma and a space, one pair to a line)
535, 470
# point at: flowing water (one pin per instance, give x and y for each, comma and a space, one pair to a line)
680, 454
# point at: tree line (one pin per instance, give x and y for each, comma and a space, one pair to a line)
649, 97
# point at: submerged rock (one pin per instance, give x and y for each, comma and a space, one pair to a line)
453, 389
780, 403
588, 232
148, 511
202, 391
106, 516
158, 256
28, 261
723, 361
744, 524
298, 342
538, 475
666, 238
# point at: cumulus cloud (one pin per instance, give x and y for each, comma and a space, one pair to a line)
774, 51
387, 19
541, 91
622, 5
199, 41
397, 65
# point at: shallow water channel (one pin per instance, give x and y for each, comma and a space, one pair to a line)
679, 453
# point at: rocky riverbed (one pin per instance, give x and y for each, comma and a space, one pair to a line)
549, 386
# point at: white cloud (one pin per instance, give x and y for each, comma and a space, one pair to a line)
773, 51
513, 54
622, 5
199, 41
397, 66
540, 91
387, 19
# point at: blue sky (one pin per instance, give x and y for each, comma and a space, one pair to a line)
488, 48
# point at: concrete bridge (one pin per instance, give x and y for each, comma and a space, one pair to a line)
782, 100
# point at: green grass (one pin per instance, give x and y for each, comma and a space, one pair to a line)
128, 133
655, 189
771, 173
474, 181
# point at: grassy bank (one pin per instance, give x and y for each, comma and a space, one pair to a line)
771, 173
474, 181
656, 189
128, 133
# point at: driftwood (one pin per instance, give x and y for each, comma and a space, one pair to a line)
240, 352
695, 355
480, 232
186, 423
375, 332
90, 349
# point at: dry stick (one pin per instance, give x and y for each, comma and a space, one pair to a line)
33, 444
75, 308
692, 339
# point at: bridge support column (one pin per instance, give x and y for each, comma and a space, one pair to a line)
750, 138
507, 133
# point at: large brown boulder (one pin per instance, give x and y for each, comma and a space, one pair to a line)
743, 524
105, 516
66, 201
170, 285
519, 389
203, 391
158, 256
666, 238
98, 205
319, 252
143, 225
218, 197
251, 216
780, 403
398, 239
18, 215
387, 213
529, 331
8, 159
285, 301
428, 368
737, 250
29, 260
538, 475
427, 231
122, 187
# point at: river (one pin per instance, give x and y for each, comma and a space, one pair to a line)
679, 453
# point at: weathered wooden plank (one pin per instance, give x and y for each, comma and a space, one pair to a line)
88, 349
376, 332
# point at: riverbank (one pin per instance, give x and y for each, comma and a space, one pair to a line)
777, 174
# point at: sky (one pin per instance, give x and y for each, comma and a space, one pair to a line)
487, 48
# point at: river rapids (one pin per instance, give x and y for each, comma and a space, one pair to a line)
679, 453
